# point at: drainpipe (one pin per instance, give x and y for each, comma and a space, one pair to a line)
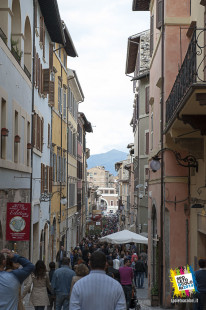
32, 110
162, 163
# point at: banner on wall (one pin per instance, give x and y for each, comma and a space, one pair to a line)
18, 221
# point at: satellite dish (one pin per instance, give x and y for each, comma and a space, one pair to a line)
155, 165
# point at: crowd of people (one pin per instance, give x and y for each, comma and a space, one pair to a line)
95, 276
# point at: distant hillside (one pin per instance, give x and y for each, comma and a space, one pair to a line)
107, 160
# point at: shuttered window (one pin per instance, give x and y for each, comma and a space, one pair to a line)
72, 195
42, 134
147, 100
147, 143
46, 80
151, 34
51, 93
46, 179
159, 14
48, 141
51, 56
54, 167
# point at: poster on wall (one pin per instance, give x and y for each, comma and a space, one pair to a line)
18, 221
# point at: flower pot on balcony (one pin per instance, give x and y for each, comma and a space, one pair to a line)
17, 139
29, 146
4, 132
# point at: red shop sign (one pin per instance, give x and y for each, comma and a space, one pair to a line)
18, 221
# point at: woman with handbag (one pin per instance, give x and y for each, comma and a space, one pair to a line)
38, 284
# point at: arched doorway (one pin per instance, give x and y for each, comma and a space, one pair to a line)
27, 48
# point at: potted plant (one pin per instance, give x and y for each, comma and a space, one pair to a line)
17, 139
155, 296
4, 132
29, 146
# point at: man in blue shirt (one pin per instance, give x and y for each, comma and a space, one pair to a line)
10, 281
61, 283
97, 290
200, 276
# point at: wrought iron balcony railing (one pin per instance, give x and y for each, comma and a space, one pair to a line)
191, 72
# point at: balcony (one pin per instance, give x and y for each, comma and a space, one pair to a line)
186, 104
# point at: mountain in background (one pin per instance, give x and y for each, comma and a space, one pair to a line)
107, 160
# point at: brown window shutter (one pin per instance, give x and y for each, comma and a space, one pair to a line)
34, 129
38, 133
42, 177
50, 179
42, 134
41, 79
41, 29
36, 68
159, 14
49, 135
35, 15
151, 34
51, 56
46, 79
39, 68
147, 100
47, 178
51, 93
147, 143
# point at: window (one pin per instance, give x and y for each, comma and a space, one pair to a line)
151, 34
59, 51
147, 99
38, 132
79, 133
70, 141
54, 165
151, 133
3, 126
111, 192
159, 14
49, 135
146, 143
111, 203
59, 97
46, 179
64, 104
65, 59
16, 133
72, 195
42, 34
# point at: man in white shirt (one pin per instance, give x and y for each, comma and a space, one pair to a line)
97, 290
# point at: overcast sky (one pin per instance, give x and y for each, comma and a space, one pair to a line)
99, 30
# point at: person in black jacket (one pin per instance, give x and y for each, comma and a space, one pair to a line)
140, 270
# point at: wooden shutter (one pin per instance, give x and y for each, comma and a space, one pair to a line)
39, 68
46, 79
36, 69
46, 185
147, 100
34, 129
42, 177
42, 134
41, 29
51, 93
41, 79
35, 15
51, 56
38, 133
147, 143
49, 135
151, 34
50, 179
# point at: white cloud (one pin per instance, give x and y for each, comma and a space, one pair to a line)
100, 30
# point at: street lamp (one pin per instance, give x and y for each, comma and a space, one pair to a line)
188, 161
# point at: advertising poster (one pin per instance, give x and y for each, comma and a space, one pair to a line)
18, 221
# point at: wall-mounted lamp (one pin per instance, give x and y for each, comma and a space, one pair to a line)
188, 161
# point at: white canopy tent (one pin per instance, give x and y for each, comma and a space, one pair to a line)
124, 236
